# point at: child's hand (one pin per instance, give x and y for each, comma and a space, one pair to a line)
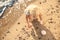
29, 25
41, 22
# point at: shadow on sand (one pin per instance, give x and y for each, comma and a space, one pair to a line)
38, 27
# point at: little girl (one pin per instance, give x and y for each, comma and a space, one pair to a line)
32, 13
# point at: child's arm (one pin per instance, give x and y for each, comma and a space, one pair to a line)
40, 16
27, 19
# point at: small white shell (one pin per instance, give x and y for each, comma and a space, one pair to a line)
43, 32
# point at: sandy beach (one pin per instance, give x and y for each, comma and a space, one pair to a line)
13, 25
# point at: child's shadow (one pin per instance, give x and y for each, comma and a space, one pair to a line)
38, 27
